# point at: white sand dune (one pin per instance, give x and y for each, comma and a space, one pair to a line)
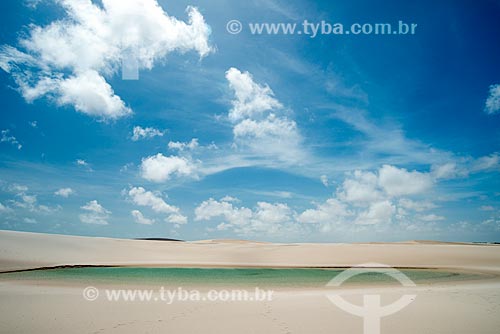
21, 250
27, 307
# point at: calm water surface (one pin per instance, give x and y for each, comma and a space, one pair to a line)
227, 276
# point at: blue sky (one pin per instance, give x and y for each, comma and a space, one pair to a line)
270, 137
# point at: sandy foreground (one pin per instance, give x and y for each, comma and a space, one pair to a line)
59, 307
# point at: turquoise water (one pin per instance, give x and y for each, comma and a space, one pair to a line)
225, 276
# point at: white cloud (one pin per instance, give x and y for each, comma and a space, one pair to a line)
445, 171
331, 212
140, 219
7, 138
27, 201
176, 219
369, 198
487, 208
30, 220
64, 192
90, 94
17, 188
324, 180
273, 137
32, 3
95, 213
361, 188
68, 59
252, 99
260, 126
181, 146
485, 163
418, 206
398, 181
270, 129
229, 199
377, 213
159, 168
142, 197
492, 105
84, 164
4, 209
431, 218
268, 218
145, 133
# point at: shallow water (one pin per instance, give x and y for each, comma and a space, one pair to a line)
227, 276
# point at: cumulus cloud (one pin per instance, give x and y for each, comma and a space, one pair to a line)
378, 198
159, 168
398, 181
140, 219
268, 218
145, 133
8, 138
81, 162
332, 211
69, 59
324, 180
182, 146
361, 188
84, 164
89, 93
492, 105
64, 192
95, 213
142, 197
273, 129
18, 188
27, 201
377, 213
258, 119
252, 99
176, 219
373, 198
